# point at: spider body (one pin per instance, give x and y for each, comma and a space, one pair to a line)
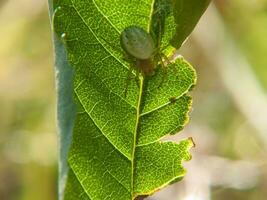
139, 48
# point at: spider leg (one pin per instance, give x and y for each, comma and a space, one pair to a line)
137, 78
127, 80
156, 30
160, 33
164, 68
130, 77
114, 48
167, 60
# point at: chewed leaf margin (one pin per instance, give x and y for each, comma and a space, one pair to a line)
99, 158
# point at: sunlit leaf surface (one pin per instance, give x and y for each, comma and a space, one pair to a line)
116, 152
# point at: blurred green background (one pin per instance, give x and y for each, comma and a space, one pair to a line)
228, 120
28, 147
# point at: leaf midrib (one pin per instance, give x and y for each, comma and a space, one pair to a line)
141, 78
138, 113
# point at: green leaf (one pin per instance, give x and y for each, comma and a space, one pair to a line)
65, 107
116, 150
187, 13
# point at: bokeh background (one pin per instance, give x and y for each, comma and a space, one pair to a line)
228, 121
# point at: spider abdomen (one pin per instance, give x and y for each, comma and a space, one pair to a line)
136, 42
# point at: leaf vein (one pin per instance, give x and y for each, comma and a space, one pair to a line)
94, 34
93, 120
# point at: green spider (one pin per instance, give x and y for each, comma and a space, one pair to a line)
141, 51
140, 48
